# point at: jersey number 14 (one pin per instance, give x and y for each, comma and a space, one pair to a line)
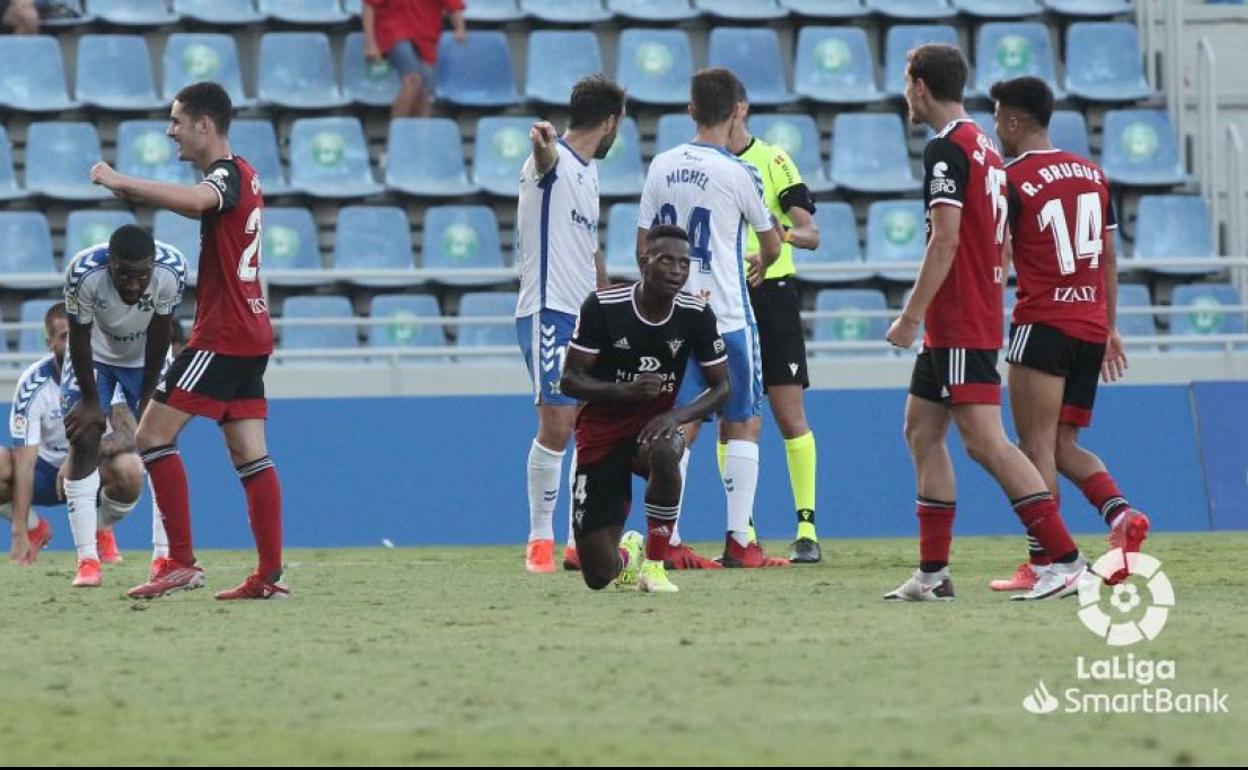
1089, 243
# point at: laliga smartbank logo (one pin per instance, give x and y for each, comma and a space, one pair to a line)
1132, 612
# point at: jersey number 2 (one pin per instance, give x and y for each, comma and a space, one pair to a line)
249, 263
699, 230
1089, 243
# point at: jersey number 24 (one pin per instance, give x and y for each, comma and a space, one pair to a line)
699, 229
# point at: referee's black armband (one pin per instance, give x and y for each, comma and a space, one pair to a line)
798, 195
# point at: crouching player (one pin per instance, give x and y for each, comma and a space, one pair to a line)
626, 361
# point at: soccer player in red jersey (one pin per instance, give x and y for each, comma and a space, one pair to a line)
1064, 331
958, 296
220, 373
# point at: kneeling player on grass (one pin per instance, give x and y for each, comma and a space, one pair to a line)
1064, 332
626, 361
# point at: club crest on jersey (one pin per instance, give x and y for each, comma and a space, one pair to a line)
649, 364
146, 303
674, 346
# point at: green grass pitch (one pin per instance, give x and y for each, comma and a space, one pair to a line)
455, 656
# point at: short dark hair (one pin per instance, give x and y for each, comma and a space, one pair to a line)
713, 95
594, 99
1028, 94
56, 311
208, 99
942, 67
131, 243
659, 232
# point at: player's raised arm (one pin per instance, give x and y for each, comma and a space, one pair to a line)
543, 138
188, 200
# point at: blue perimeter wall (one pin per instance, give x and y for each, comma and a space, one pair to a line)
451, 470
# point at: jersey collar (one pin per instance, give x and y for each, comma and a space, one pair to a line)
568, 147
632, 297
952, 125
1049, 151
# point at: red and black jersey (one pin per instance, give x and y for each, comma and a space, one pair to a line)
231, 314
1061, 217
626, 345
963, 169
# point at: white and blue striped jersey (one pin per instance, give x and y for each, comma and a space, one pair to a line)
557, 234
119, 335
716, 197
35, 417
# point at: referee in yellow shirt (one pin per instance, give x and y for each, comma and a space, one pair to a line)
777, 306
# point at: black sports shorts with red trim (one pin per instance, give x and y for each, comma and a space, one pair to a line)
1052, 351
956, 376
219, 387
602, 493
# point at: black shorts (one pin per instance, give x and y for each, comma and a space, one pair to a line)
602, 493
956, 376
219, 387
781, 340
1054, 352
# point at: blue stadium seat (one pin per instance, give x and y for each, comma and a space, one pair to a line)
754, 54
1173, 227
85, 228
901, 39
852, 327
181, 232
503, 334
114, 73
191, 57
556, 60
9, 189
492, 11
913, 9
477, 72
134, 13
566, 11
371, 83
221, 12
1006, 50
674, 128
1093, 8
838, 242
869, 154
297, 71
290, 244
826, 9
742, 10
33, 340
59, 156
835, 66
502, 146
342, 335
798, 136
407, 327
26, 246
1134, 295
34, 77
256, 141
355, 8
458, 237
999, 9
314, 12
655, 65
622, 173
329, 158
144, 150
895, 234
73, 15
1207, 315
424, 158
621, 251
652, 10
1103, 62
374, 238
1069, 131
1139, 148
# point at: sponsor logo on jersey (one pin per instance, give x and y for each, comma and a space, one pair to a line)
19, 425
720, 346
1071, 294
258, 305
941, 184
622, 344
649, 364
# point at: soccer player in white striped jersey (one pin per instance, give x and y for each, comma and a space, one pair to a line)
717, 197
560, 264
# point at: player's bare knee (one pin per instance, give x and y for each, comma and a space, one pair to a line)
126, 470
663, 457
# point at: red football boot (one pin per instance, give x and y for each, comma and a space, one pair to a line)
683, 557
748, 557
1129, 533
106, 544
1023, 579
255, 587
169, 578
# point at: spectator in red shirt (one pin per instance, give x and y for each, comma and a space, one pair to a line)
406, 33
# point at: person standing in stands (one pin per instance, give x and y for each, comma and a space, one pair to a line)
405, 33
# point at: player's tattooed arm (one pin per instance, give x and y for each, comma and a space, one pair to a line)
190, 201
159, 335
543, 137
121, 439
